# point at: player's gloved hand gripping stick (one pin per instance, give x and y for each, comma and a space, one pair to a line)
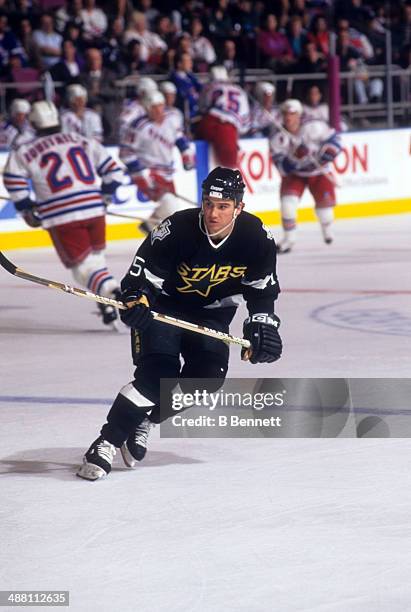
198, 329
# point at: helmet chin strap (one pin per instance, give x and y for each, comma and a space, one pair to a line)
205, 230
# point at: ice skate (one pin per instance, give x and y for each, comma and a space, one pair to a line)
327, 234
286, 245
110, 313
135, 447
98, 460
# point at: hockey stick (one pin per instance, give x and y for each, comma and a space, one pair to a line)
113, 214
198, 329
108, 212
180, 197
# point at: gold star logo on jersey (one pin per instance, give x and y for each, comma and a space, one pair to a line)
202, 280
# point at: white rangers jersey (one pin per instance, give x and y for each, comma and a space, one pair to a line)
63, 171
228, 102
304, 148
150, 145
89, 125
131, 111
10, 136
262, 120
176, 116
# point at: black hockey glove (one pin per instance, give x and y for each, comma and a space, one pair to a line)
31, 217
138, 314
262, 331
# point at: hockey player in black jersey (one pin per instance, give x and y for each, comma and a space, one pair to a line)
197, 265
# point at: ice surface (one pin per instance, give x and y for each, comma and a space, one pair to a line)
210, 525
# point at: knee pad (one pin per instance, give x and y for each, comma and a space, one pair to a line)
92, 273
135, 396
325, 215
206, 365
289, 205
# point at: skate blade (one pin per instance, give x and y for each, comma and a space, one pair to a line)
283, 251
89, 471
128, 457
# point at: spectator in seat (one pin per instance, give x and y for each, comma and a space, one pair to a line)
297, 36
229, 57
152, 46
103, 94
314, 107
274, 45
164, 29
68, 69
9, 45
94, 22
366, 88
188, 86
151, 14
28, 44
220, 24
132, 62
48, 41
112, 47
70, 13
203, 52
320, 35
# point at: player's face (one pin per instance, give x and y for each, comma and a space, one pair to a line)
218, 215
19, 119
78, 104
292, 121
170, 98
156, 113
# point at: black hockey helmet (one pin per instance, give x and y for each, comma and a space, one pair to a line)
224, 183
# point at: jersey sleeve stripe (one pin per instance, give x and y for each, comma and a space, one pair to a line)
101, 166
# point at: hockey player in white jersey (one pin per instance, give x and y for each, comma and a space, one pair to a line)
71, 177
147, 152
134, 108
263, 110
17, 128
78, 118
169, 91
225, 116
303, 152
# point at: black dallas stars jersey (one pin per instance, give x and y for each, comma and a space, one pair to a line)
190, 274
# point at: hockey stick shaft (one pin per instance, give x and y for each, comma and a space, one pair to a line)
113, 214
180, 197
123, 216
198, 329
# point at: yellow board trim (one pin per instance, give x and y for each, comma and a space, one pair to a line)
128, 231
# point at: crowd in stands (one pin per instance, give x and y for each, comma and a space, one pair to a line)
95, 43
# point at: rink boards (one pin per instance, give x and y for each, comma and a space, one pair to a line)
371, 176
